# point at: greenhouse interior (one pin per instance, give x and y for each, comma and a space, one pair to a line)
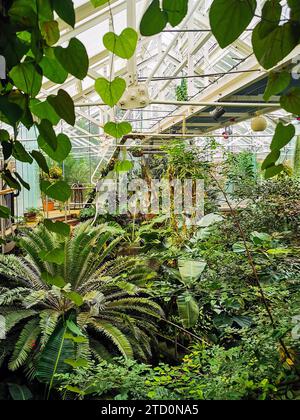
150, 202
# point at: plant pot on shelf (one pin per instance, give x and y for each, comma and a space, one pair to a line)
48, 205
30, 217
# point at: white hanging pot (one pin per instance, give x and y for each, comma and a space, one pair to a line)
259, 124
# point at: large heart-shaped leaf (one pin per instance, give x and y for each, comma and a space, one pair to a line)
64, 106
283, 135
65, 10
291, 101
110, 92
9, 112
277, 82
274, 47
176, 10
60, 228
52, 69
59, 191
27, 77
154, 20
123, 45
230, 18
48, 134
40, 160
74, 58
271, 159
44, 111
273, 171
62, 150
20, 153
117, 130
50, 32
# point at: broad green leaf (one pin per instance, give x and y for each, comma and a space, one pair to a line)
191, 270
124, 166
63, 106
9, 112
4, 212
230, 18
74, 328
19, 392
48, 134
74, 58
209, 220
23, 12
271, 14
56, 256
154, 20
65, 10
7, 149
20, 153
50, 32
27, 77
295, 10
283, 135
44, 111
21, 180
11, 181
57, 281
290, 101
4, 135
277, 82
79, 363
176, 10
97, 3
63, 148
260, 237
40, 160
123, 45
188, 310
273, 171
76, 298
52, 69
60, 228
59, 191
273, 48
117, 130
110, 92
271, 159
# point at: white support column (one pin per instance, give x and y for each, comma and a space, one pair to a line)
131, 23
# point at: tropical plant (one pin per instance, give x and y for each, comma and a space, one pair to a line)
70, 298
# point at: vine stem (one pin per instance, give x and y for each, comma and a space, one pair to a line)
254, 270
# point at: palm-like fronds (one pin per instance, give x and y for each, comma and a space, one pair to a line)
115, 310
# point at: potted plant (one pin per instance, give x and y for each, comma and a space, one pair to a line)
55, 173
136, 151
31, 214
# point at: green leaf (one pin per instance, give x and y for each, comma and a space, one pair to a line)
60, 228
277, 82
271, 14
74, 328
273, 171
44, 111
271, 159
230, 18
4, 135
19, 392
27, 77
7, 148
154, 20
11, 181
41, 161
117, 130
191, 270
4, 212
59, 191
188, 310
50, 32
52, 69
65, 10
291, 101
21, 180
63, 148
57, 281
176, 10
56, 256
74, 58
48, 134
20, 153
283, 135
97, 3
63, 106
123, 45
79, 363
76, 298
110, 92
273, 48
9, 112
124, 166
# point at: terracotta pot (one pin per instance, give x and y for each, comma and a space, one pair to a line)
48, 206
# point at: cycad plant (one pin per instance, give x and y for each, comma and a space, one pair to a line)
70, 298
